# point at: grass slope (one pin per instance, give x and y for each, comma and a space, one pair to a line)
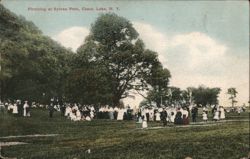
121, 139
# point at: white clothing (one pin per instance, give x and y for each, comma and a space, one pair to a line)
92, 114
92, 108
160, 110
10, 107
25, 106
15, 110
116, 109
67, 111
216, 115
184, 112
157, 115
78, 115
204, 116
120, 114
172, 117
88, 118
72, 116
144, 124
222, 113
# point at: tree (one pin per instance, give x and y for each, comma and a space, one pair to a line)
116, 47
232, 92
158, 80
32, 65
205, 95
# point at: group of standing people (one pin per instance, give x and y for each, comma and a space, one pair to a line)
17, 108
176, 115
218, 112
77, 112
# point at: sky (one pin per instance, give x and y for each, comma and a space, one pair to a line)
200, 42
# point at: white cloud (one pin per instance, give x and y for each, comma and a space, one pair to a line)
201, 49
72, 37
195, 58
152, 38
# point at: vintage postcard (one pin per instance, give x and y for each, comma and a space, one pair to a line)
122, 79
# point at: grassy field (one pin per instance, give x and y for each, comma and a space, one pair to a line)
122, 139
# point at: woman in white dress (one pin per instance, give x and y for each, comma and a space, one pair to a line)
158, 116
216, 116
172, 117
204, 116
25, 106
10, 108
144, 123
78, 115
120, 114
222, 113
72, 116
67, 111
15, 110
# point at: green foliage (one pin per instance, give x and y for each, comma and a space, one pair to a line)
205, 95
158, 79
113, 47
31, 64
111, 62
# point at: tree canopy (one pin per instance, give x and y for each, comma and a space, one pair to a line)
32, 65
114, 46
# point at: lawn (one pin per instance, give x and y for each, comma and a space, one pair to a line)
122, 139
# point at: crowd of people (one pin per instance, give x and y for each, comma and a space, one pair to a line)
16, 108
77, 112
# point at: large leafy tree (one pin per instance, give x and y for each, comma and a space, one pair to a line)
88, 82
204, 95
32, 65
116, 47
158, 80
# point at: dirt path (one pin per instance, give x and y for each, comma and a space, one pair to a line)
197, 124
34, 135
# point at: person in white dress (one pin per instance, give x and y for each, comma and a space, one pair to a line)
92, 115
15, 109
185, 116
144, 123
222, 113
120, 114
173, 113
25, 106
78, 115
67, 111
204, 116
10, 108
216, 115
72, 116
158, 116
169, 114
